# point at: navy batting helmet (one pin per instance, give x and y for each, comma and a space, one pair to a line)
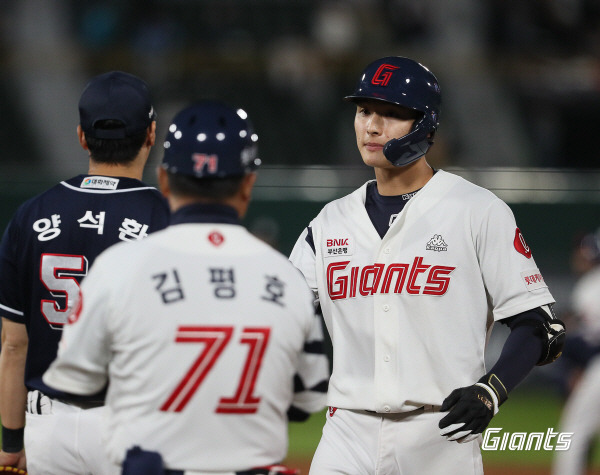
404, 82
211, 140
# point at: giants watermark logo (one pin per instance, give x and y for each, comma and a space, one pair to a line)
549, 440
383, 75
415, 279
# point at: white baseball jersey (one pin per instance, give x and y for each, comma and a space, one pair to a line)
409, 314
200, 330
586, 304
580, 414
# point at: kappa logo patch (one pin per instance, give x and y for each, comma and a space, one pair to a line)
338, 246
533, 279
436, 243
100, 182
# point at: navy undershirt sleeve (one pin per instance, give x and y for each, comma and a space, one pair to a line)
521, 351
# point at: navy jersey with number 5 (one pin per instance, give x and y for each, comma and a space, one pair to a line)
50, 244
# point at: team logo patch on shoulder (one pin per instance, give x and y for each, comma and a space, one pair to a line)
533, 279
436, 243
100, 182
520, 244
216, 238
338, 246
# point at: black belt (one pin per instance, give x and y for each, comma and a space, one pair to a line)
40, 403
418, 410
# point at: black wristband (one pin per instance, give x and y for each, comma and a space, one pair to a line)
12, 439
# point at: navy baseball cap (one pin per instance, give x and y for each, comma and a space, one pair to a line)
210, 139
119, 96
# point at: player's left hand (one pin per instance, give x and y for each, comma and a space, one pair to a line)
471, 410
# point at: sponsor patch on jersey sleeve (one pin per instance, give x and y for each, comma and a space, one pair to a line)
338, 246
533, 279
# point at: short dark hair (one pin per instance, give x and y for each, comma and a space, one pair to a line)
115, 151
214, 189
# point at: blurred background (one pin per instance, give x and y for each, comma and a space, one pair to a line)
521, 100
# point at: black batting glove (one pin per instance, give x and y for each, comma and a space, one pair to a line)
471, 409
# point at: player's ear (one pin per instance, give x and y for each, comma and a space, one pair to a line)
81, 137
247, 185
151, 134
245, 192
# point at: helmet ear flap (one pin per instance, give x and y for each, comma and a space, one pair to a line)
412, 146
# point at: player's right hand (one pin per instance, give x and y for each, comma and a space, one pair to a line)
14, 459
470, 411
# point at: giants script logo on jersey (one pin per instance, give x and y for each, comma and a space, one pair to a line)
420, 279
383, 74
520, 244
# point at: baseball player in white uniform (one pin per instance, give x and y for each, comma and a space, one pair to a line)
411, 270
580, 414
207, 336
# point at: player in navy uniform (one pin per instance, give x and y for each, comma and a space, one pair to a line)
48, 248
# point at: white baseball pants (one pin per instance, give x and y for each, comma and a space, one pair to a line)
364, 443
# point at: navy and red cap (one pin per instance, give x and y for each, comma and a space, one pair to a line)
407, 83
401, 81
210, 139
118, 96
